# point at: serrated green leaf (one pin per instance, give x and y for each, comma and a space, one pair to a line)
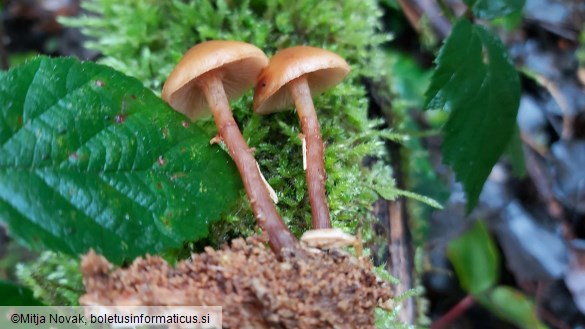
476, 81
512, 306
475, 259
89, 158
490, 9
15, 295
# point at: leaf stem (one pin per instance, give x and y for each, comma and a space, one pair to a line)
455, 312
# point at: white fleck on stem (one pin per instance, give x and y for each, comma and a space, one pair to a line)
271, 191
304, 141
215, 140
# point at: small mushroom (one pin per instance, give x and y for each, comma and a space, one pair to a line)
297, 74
207, 77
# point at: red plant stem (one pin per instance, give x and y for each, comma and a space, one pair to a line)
455, 312
299, 88
279, 236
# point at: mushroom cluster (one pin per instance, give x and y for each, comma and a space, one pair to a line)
294, 285
214, 72
209, 75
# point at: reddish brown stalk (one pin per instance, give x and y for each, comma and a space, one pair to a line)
454, 313
299, 88
279, 236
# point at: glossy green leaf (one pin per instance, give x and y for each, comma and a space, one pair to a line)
89, 158
489, 9
475, 259
15, 295
512, 306
476, 81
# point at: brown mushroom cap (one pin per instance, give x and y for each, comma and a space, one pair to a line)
323, 68
237, 63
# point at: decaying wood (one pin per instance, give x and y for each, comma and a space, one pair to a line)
320, 289
401, 254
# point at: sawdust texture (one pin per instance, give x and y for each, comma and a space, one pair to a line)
306, 289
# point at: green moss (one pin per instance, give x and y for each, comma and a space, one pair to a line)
147, 38
54, 279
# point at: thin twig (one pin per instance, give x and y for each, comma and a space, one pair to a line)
416, 9
568, 130
454, 313
541, 150
541, 180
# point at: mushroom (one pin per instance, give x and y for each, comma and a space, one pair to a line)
296, 74
207, 77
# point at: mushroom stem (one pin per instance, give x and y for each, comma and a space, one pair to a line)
299, 88
279, 236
